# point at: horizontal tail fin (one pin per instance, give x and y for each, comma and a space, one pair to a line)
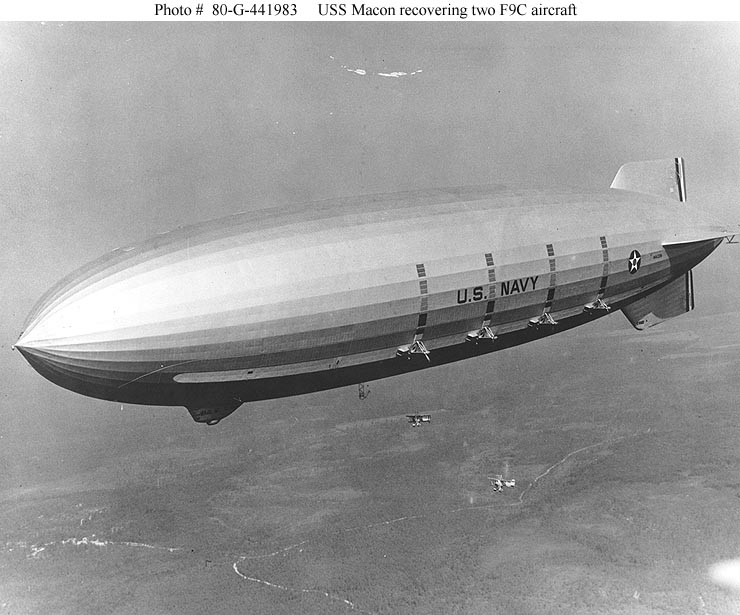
655, 177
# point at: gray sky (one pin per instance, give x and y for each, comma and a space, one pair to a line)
110, 133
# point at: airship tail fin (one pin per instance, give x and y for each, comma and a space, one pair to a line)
655, 177
671, 300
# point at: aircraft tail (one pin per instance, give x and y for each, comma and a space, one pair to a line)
673, 299
663, 177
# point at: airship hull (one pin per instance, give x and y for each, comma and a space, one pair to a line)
272, 304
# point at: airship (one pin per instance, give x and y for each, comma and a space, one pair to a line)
274, 303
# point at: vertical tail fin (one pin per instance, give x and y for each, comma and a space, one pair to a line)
672, 300
655, 177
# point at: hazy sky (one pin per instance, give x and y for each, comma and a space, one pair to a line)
110, 133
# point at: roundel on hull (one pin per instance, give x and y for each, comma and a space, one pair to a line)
634, 261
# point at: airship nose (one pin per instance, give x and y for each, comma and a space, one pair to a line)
33, 356
122, 327
47, 360
47, 342
122, 334
30, 342
27, 342
51, 325
82, 335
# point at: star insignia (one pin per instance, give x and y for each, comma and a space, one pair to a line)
634, 261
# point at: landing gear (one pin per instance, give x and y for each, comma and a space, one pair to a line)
484, 333
546, 320
596, 306
416, 348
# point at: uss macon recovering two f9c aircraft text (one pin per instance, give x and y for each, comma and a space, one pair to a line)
275, 303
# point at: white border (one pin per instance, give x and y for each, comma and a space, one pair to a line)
586, 10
